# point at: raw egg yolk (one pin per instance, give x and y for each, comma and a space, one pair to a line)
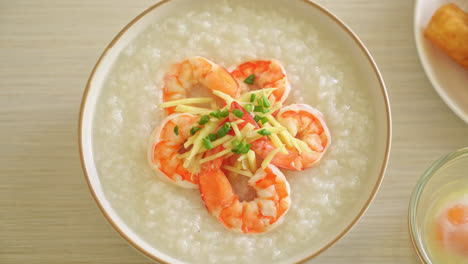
452, 228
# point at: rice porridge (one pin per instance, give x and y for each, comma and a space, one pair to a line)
175, 220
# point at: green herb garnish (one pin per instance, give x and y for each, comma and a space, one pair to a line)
259, 108
250, 79
238, 113
207, 143
220, 114
248, 107
260, 101
224, 113
264, 120
252, 98
257, 118
264, 132
224, 130
194, 130
240, 147
176, 130
212, 137
204, 119
215, 113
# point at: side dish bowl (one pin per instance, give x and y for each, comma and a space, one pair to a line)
372, 84
439, 185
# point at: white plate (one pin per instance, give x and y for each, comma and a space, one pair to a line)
449, 79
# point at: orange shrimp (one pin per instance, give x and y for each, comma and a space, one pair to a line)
183, 76
259, 215
452, 228
268, 74
304, 123
167, 144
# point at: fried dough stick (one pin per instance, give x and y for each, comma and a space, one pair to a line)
448, 29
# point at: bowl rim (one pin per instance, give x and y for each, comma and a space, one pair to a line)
417, 245
320, 8
427, 66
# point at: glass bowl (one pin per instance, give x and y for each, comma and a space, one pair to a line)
444, 181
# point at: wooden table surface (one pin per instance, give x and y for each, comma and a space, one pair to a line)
47, 51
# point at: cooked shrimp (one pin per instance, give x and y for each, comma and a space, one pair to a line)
268, 74
452, 228
183, 76
305, 123
167, 144
259, 215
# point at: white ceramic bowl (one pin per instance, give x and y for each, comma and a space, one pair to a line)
449, 79
371, 81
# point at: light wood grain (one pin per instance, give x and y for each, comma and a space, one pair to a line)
47, 50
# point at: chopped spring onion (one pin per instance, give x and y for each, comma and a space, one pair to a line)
224, 113
260, 118
220, 114
272, 130
197, 140
176, 130
264, 132
194, 130
204, 119
246, 96
248, 107
266, 102
215, 113
215, 143
258, 108
224, 130
252, 97
260, 100
207, 143
238, 113
261, 109
240, 147
212, 137
250, 79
